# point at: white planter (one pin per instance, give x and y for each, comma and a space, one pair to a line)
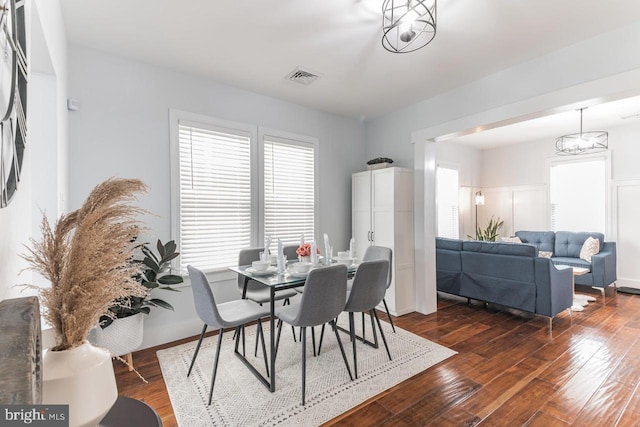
83, 378
123, 335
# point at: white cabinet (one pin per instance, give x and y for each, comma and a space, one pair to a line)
382, 215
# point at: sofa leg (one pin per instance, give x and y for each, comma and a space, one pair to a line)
604, 298
550, 327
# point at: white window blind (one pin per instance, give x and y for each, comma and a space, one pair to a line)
289, 190
215, 195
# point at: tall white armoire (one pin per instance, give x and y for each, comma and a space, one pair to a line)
382, 215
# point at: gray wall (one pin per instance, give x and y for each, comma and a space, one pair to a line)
122, 129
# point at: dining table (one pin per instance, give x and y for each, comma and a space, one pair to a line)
275, 282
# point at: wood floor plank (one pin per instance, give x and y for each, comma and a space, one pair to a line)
369, 415
540, 419
522, 406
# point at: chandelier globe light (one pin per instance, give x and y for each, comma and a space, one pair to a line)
583, 142
408, 25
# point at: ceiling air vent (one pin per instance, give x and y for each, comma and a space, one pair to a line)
302, 76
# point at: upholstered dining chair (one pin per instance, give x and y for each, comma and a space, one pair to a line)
290, 252
232, 314
258, 292
323, 299
374, 253
367, 291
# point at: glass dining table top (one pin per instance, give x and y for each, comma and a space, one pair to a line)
289, 277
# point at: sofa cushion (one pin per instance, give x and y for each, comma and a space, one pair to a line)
514, 239
569, 243
543, 240
500, 248
573, 262
590, 248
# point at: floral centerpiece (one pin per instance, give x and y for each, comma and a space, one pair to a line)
304, 251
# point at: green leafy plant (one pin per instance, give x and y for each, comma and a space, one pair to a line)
490, 233
154, 274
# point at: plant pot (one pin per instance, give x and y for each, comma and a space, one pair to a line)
304, 258
83, 378
123, 335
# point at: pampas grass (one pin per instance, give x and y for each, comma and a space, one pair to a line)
87, 258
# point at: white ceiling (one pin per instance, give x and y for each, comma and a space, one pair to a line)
254, 44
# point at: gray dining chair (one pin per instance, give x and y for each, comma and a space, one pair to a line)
367, 291
256, 291
290, 252
374, 253
323, 299
232, 314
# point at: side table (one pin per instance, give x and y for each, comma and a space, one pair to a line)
128, 412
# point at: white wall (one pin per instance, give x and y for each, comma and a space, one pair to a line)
557, 81
122, 129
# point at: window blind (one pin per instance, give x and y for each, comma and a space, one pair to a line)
215, 196
289, 190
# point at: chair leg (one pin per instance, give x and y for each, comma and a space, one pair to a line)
313, 340
321, 337
215, 364
384, 340
363, 336
344, 356
243, 341
264, 348
352, 332
195, 353
389, 315
304, 361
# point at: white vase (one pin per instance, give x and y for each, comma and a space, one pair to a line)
304, 258
83, 378
123, 335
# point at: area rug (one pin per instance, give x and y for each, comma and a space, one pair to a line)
239, 399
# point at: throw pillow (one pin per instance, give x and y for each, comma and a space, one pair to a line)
514, 239
590, 247
545, 254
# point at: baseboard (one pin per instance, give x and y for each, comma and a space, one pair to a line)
628, 283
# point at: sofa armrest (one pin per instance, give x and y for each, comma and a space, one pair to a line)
603, 266
553, 285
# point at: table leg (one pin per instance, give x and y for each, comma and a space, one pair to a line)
272, 332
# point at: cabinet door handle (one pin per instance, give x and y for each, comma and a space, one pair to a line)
372, 236
369, 236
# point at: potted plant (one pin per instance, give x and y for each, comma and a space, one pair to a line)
491, 232
86, 257
121, 330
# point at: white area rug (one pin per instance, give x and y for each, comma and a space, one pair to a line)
239, 399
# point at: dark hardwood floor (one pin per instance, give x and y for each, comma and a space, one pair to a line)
508, 370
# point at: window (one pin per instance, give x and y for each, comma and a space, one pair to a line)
578, 195
289, 189
231, 188
215, 195
447, 202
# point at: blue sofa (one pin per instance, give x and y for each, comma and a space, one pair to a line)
508, 274
566, 246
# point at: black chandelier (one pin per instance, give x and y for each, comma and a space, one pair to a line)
583, 142
408, 25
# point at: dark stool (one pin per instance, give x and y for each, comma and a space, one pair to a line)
128, 412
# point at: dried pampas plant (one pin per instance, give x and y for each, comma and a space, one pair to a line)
87, 259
